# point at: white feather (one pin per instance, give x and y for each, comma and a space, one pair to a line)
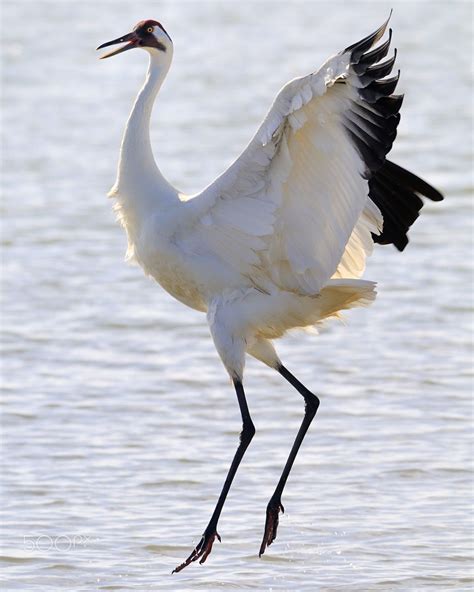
258, 247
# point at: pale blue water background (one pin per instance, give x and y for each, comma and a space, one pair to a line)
119, 422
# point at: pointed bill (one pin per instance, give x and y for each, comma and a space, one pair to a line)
132, 39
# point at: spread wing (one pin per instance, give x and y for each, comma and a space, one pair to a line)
294, 208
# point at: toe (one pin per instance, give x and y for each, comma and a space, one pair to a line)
271, 525
202, 550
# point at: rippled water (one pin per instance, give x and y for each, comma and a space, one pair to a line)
119, 422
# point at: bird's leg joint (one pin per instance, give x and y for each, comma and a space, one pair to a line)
248, 429
311, 404
310, 399
247, 433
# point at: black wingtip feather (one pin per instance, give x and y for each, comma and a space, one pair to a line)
397, 193
371, 124
373, 56
357, 49
372, 157
374, 104
383, 69
414, 183
379, 89
389, 105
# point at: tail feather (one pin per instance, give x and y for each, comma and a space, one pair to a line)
343, 294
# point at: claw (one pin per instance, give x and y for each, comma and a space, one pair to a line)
201, 551
271, 525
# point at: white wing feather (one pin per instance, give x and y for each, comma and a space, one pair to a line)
360, 244
293, 209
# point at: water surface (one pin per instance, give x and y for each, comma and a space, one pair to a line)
119, 421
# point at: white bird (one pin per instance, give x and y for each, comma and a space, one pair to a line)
280, 239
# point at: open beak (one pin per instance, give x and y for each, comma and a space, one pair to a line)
132, 39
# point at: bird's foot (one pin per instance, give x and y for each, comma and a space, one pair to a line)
202, 550
271, 524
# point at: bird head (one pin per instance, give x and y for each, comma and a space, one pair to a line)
149, 35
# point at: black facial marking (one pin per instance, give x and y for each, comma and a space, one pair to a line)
147, 39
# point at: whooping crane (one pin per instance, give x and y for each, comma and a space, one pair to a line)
280, 239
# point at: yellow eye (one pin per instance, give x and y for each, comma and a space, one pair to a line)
149, 30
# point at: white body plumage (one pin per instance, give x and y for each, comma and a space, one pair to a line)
257, 248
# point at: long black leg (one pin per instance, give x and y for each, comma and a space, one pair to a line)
204, 547
275, 505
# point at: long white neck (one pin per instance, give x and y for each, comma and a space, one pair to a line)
138, 176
